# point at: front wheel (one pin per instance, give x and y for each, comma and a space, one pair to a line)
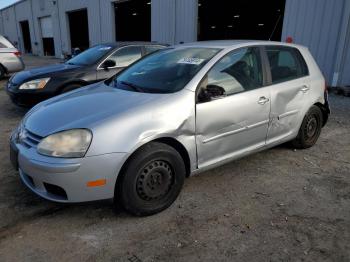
152, 179
310, 129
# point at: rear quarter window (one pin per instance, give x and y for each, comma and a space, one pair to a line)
286, 64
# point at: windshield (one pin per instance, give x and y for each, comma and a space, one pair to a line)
165, 71
90, 56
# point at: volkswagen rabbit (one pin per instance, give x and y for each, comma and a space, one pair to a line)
136, 136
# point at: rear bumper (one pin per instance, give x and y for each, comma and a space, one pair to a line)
326, 109
14, 64
66, 180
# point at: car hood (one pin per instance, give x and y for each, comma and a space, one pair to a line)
45, 71
85, 108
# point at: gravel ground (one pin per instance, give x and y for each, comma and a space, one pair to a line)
277, 205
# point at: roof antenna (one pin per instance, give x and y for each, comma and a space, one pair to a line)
274, 29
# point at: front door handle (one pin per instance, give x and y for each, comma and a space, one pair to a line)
305, 88
263, 100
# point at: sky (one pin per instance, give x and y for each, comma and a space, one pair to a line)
4, 3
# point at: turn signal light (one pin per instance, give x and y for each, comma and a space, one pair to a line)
100, 182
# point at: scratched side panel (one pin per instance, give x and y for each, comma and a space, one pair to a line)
230, 126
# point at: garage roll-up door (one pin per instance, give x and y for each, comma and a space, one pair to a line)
46, 27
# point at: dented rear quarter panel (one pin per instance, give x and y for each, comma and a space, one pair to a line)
290, 104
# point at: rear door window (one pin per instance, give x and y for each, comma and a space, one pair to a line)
286, 63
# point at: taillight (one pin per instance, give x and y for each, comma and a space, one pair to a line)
325, 87
18, 54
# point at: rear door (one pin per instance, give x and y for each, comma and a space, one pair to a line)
123, 57
233, 107
290, 88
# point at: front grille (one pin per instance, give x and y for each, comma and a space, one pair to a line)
30, 139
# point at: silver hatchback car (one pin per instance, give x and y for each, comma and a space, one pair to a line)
177, 112
10, 58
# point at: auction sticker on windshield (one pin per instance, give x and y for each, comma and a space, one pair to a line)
190, 61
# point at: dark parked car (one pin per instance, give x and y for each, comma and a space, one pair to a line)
100, 62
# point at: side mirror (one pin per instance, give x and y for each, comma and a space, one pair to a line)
215, 91
211, 92
108, 64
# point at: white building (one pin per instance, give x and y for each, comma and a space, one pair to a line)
53, 27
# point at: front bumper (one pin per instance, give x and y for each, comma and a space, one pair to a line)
27, 98
66, 180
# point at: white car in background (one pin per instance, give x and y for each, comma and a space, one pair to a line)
10, 58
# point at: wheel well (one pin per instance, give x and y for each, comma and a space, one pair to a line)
324, 111
179, 148
165, 140
170, 142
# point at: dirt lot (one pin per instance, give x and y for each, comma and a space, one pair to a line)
278, 205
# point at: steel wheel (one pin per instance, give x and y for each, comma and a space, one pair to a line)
155, 180
152, 179
310, 129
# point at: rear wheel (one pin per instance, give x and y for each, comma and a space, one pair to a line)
310, 129
152, 180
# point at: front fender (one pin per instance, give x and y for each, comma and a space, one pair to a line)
173, 117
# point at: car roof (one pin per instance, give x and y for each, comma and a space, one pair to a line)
126, 43
228, 44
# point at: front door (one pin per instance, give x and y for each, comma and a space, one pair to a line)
122, 58
233, 107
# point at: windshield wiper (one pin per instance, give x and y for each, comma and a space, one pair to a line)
133, 86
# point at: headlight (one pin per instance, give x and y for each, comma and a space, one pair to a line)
70, 143
35, 84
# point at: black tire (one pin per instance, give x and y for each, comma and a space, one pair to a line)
70, 87
310, 129
152, 180
2, 72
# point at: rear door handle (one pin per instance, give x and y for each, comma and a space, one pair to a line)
263, 100
305, 88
